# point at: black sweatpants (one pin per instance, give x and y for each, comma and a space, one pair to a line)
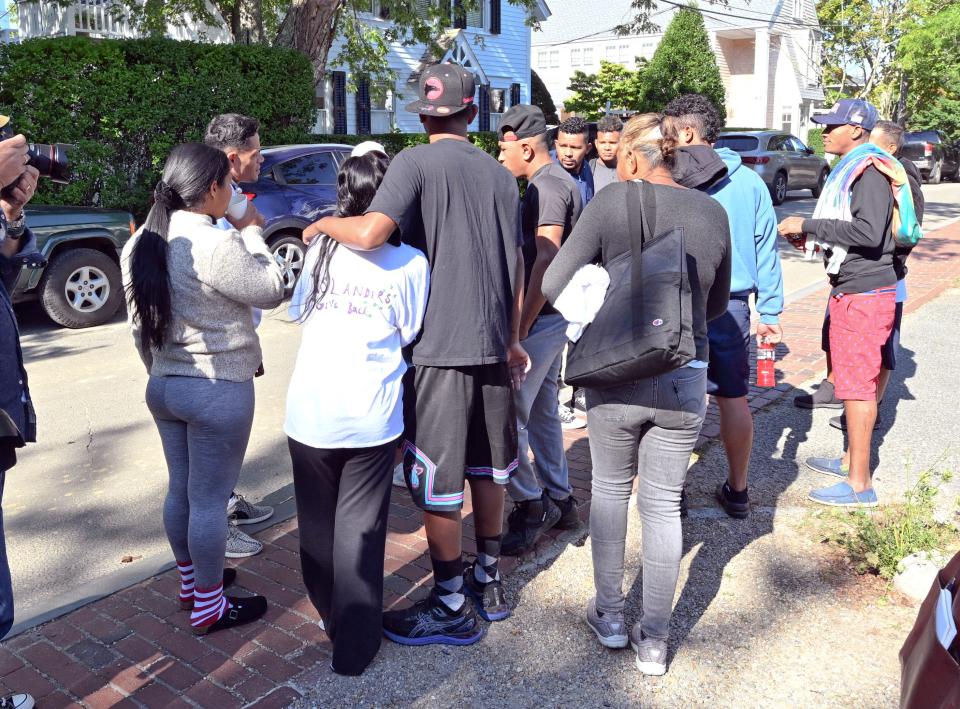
343, 496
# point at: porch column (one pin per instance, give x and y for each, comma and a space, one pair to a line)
761, 75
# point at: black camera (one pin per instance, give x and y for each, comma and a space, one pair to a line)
51, 160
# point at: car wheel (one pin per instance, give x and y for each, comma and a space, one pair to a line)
289, 251
816, 191
936, 174
81, 288
778, 192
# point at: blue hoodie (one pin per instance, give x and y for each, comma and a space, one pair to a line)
753, 233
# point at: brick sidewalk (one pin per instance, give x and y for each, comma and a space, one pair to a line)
134, 649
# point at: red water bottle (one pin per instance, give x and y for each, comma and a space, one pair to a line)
766, 356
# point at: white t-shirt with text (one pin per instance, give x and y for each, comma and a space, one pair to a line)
346, 386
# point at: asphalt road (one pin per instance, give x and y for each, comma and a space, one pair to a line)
89, 493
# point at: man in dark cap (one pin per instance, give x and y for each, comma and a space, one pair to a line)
455, 203
551, 205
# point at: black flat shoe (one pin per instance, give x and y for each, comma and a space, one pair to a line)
229, 576
241, 611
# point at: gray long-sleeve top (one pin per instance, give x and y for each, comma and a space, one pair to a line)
602, 233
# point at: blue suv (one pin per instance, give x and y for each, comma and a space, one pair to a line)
297, 186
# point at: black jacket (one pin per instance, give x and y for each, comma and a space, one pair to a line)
698, 167
17, 419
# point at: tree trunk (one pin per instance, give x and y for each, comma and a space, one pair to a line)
310, 27
900, 111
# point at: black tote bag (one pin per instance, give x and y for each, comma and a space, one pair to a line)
645, 326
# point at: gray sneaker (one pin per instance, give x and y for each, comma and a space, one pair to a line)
651, 654
242, 512
609, 627
16, 701
239, 544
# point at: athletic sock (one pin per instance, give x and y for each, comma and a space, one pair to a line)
488, 560
448, 577
209, 605
186, 581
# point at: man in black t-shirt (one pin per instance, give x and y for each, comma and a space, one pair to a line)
550, 208
455, 203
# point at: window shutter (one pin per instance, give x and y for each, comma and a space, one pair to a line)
363, 106
514, 94
484, 107
339, 102
459, 16
494, 16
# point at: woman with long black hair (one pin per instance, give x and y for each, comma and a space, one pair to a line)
189, 288
344, 415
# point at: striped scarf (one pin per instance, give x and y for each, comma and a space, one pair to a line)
834, 202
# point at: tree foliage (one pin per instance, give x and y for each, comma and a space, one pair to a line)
126, 103
929, 54
683, 63
540, 96
622, 87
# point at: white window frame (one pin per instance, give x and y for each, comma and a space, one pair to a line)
543, 59
588, 56
575, 57
383, 120
798, 9
610, 53
625, 55
554, 58
786, 119
483, 17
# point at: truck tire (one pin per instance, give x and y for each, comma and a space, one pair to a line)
936, 173
81, 288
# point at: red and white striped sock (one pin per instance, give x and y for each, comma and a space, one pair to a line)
187, 576
209, 605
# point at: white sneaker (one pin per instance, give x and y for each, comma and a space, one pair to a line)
240, 545
651, 654
568, 420
398, 478
16, 701
243, 512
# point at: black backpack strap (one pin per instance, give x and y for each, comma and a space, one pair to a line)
636, 223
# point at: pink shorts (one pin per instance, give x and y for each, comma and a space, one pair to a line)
860, 324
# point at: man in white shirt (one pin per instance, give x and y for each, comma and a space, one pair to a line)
239, 138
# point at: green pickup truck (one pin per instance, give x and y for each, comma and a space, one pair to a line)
80, 285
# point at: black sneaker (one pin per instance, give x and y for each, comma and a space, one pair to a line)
569, 513
822, 398
241, 611
490, 597
684, 504
430, 622
525, 525
735, 504
840, 422
580, 401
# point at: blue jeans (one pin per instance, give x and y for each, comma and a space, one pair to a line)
537, 420
6, 586
647, 428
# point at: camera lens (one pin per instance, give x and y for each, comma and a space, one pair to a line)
51, 160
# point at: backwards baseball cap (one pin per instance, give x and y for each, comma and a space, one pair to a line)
850, 112
367, 146
445, 89
521, 121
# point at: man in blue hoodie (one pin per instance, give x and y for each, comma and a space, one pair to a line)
695, 123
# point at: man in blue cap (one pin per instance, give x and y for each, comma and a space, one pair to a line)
852, 224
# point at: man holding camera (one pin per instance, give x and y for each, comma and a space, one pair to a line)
18, 181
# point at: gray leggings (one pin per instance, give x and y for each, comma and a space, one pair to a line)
650, 426
204, 426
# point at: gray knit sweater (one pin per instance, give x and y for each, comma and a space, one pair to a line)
215, 277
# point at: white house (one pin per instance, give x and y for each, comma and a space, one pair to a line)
493, 42
768, 51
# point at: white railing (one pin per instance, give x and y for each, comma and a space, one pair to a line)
97, 18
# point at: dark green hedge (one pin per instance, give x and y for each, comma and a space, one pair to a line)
125, 103
815, 141
395, 142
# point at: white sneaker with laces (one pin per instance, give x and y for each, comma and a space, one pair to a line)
243, 512
240, 545
17, 701
568, 420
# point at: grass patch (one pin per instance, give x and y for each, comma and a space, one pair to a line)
877, 541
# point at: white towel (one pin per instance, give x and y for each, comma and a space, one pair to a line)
581, 299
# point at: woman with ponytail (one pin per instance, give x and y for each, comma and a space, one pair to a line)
189, 288
646, 427
345, 414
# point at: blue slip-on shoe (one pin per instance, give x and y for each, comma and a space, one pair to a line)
828, 466
842, 495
